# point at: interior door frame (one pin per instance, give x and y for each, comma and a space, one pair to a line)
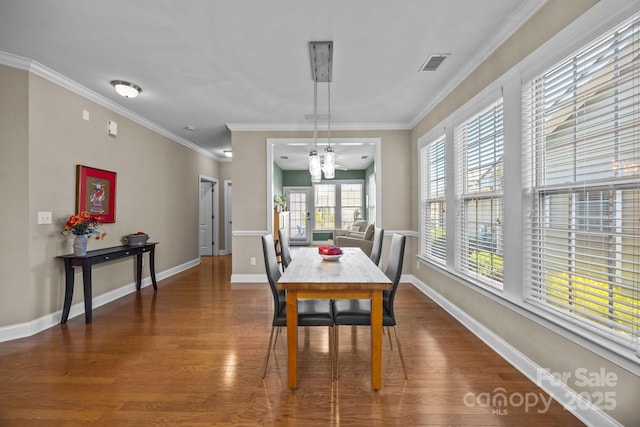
377, 170
228, 225
310, 210
215, 211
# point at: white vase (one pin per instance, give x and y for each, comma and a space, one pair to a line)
80, 245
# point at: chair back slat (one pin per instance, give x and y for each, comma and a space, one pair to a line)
285, 253
273, 273
394, 266
376, 249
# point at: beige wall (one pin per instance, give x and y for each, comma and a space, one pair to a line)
544, 347
44, 138
249, 174
14, 207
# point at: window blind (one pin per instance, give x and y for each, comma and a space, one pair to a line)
582, 136
479, 190
434, 231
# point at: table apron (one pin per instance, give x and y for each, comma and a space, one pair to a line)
335, 294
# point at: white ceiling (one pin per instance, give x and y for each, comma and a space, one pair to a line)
245, 63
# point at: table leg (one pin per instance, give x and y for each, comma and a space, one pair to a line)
292, 338
138, 271
152, 267
86, 282
68, 290
376, 340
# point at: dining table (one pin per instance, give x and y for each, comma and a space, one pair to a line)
351, 276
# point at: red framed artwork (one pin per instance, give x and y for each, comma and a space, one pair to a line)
96, 193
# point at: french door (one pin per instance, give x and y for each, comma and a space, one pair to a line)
300, 203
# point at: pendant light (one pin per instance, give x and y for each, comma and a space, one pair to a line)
314, 160
321, 69
329, 167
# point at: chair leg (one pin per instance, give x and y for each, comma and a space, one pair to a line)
390, 341
275, 341
336, 339
404, 368
266, 363
332, 349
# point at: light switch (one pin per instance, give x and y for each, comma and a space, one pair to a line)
85, 115
45, 218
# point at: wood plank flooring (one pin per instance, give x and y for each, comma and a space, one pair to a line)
193, 353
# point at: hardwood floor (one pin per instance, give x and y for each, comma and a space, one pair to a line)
193, 353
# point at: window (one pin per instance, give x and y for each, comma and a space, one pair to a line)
434, 232
336, 204
371, 197
479, 186
582, 129
325, 205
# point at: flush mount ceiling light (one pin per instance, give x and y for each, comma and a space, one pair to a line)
126, 89
321, 71
228, 153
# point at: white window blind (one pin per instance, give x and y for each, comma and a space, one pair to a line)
434, 231
479, 191
582, 130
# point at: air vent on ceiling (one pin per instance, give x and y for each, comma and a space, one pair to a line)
433, 62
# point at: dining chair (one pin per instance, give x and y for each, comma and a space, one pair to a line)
376, 250
285, 253
310, 312
357, 312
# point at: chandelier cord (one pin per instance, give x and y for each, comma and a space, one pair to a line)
329, 112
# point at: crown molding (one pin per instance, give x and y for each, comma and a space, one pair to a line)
511, 25
46, 73
275, 127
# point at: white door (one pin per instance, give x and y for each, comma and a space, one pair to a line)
228, 225
206, 218
300, 203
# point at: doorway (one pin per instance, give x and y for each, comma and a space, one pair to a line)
228, 225
300, 203
208, 217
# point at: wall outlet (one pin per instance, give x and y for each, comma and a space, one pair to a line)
252, 260
45, 218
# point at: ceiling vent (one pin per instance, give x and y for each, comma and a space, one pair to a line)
433, 62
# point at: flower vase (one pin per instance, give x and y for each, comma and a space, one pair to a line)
80, 245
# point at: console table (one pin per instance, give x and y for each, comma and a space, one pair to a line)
99, 256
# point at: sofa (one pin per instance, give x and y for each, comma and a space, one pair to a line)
359, 235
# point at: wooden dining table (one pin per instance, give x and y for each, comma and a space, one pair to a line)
353, 276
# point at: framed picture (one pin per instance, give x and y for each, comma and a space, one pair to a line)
96, 192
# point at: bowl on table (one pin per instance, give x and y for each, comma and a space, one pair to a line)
330, 253
137, 239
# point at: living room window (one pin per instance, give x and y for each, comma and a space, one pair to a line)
433, 176
336, 203
582, 130
325, 206
479, 190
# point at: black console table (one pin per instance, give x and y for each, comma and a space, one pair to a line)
97, 257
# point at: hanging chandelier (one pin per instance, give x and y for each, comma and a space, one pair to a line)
321, 71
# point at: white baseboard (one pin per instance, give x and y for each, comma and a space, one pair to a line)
22, 330
583, 409
239, 279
